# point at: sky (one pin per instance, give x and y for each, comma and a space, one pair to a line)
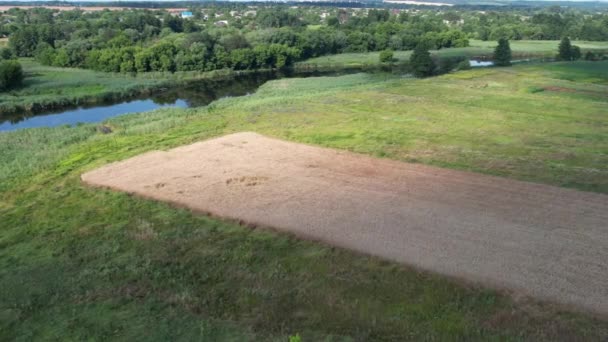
606, 1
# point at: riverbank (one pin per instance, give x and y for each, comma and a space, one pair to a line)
51, 88
81, 263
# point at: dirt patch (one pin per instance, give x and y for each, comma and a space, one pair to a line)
543, 241
575, 91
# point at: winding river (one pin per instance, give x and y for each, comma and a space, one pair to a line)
196, 94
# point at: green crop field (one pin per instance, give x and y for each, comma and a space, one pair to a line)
477, 48
79, 263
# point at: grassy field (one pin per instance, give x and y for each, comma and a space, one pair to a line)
81, 263
477, 48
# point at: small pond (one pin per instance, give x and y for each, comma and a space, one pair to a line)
475, 63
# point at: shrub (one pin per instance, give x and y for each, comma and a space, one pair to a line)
386, 56
295, 338
590, 56
6, 53
11, 75
464, 65
535, 89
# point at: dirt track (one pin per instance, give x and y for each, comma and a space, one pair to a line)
538, 240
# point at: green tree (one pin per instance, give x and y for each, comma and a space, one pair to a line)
502, 53
421, 62
45, 54
23, 41
590, 56
565, 50
386, 56
174, 23
575, 53
11, 75
6, 53
333, 22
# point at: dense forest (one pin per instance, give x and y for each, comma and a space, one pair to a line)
252, 37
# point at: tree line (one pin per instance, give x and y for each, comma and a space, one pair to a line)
276, 36
142, 40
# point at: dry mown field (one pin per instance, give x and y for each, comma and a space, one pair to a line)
539, 240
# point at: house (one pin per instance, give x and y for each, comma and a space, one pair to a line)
221, 23
186, 14
455, 22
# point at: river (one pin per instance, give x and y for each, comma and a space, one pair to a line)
195, 94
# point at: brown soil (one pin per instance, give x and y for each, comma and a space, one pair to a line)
539, 240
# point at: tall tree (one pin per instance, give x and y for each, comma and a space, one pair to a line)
565, 50
502, 53
421, 62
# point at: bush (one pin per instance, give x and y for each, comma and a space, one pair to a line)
464, 65
6, 53
590, 56
11, 75
386, 56
447, 64
535, 89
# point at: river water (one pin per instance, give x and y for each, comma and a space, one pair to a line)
196, 94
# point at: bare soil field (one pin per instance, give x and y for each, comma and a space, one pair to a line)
535, 240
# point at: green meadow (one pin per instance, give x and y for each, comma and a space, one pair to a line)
521, 49
79, 263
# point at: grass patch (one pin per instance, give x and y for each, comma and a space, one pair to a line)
82, 263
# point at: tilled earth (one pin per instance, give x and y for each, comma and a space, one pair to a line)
537, 240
